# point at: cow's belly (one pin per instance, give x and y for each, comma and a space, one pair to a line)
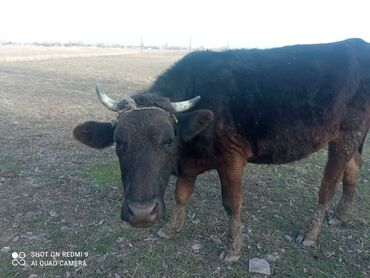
293, 144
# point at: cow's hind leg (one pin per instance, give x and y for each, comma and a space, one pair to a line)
341, 152
346, 202
232, 198
184, 190
332, 176
350, 176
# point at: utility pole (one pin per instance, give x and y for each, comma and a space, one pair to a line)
142, 42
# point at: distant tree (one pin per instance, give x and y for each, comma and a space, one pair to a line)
227, 45
100, 44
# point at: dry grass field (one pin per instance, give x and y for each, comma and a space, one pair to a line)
57, 195
21, 53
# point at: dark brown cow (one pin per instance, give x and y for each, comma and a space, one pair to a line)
260, 106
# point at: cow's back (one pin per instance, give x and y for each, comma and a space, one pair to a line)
291, 94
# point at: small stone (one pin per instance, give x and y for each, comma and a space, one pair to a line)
216, 239
150, 239
15, 239
52, 213
330, 254
29, 233
5, 249
196, 247
33, 276
120, 239
27, 268
259, 266
288, 237
362, 221
102, 258
273, 257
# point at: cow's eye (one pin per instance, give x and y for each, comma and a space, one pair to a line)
168, 143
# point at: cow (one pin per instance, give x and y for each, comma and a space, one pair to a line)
220, 110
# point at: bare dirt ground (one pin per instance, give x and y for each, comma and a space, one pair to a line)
57, 195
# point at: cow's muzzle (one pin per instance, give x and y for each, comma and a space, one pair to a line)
142, 214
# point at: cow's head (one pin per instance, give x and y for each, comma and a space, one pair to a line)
148, 134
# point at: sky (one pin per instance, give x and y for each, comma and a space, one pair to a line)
209, 24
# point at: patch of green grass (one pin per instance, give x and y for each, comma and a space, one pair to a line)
106, 174
8, 166
5, 265
104, 245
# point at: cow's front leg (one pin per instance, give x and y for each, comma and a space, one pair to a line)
232, 198
184, 190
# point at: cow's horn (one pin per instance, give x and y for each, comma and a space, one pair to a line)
183, 106
111, 104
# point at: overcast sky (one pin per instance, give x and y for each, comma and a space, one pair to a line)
233, 23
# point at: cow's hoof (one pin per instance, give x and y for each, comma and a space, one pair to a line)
308, 243
335, 221
163, 233
299, 239
227, 257
304, 241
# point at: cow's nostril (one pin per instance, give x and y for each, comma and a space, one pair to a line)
130, 213
142, 214
155, 210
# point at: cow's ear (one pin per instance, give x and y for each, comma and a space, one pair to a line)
94, 134
193, 123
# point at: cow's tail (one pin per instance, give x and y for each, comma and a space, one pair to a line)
361, 147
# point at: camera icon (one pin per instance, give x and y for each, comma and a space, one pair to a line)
18, 258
